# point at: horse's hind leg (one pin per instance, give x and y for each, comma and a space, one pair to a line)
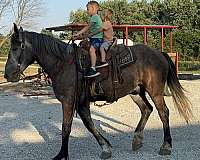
163, 112
146, 109
85, 115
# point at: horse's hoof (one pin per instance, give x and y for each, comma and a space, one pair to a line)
60, 157
137, 141
136, 146
165, 149
164, 152
105, 155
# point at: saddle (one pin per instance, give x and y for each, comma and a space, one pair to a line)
118, 57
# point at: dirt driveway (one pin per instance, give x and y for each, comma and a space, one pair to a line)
30, 129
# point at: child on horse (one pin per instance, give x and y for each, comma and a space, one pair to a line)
97, 39
107, 35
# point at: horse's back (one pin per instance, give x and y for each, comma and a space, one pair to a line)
149, 57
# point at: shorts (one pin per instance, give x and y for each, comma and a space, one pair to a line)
106, 44
96, 42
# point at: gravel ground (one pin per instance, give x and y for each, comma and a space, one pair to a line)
30, 129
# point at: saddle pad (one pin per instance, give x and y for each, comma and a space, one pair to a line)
124, 55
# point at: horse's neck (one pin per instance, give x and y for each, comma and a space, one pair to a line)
50, 64
53, 56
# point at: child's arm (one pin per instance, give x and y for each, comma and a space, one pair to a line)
85, 29
103, 28
78, 35
94, 33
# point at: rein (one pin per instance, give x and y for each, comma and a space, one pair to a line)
22, 45
76, 99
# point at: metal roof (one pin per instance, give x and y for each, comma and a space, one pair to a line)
74, 27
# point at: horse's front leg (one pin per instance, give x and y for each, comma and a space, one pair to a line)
84, 112
68, 110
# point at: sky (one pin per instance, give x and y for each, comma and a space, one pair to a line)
58, 12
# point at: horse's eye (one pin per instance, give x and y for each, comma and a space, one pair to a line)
22, 46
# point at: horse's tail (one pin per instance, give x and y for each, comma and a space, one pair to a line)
180, 100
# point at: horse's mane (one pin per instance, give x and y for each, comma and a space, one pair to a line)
47, 44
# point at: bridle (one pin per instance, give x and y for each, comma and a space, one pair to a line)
22, 46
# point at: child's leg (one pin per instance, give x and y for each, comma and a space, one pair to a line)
103, 54
93, 56
92, 71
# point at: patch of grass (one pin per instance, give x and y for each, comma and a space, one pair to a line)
193, 66
190, 72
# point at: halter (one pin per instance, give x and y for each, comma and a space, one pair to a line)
22, 46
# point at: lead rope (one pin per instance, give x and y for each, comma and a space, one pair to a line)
76, 83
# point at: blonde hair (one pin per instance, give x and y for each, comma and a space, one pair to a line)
110, 13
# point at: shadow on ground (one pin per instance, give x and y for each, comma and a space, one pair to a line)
189, 76
30, 130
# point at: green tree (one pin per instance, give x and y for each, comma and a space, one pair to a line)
79, 16
185, 14
5, 48
44, 31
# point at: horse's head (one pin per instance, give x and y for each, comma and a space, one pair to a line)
20, 56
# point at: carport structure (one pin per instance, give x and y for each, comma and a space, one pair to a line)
126, 29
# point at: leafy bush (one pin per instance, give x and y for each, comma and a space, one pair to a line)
5, 49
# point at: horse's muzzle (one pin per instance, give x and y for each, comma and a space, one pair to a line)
12, 78
5, 76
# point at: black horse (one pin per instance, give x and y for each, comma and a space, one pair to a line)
149, 74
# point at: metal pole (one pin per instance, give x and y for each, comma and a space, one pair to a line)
126, 34
123, 37
177, 62
145, 36
171, 41
162, 35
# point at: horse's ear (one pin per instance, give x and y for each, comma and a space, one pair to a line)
21, 29
15, 28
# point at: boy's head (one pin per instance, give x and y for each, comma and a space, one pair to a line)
107, 14
92, 7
